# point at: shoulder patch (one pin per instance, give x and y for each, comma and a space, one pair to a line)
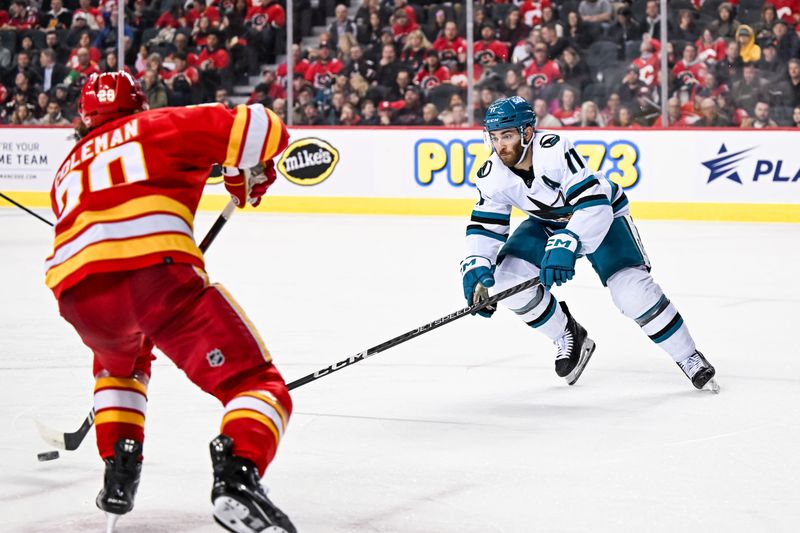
549, 140
485, 169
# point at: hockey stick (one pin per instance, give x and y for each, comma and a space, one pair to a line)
11, 201
369, 352
71, 441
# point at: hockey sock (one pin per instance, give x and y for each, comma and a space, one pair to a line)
664, 325
540, 310
120, 405
255, 420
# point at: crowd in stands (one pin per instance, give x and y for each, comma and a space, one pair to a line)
582, 63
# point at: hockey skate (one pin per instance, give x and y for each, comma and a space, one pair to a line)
699, 371
575, 348
120, 481
240, 501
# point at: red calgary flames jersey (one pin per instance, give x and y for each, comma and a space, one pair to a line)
126, 195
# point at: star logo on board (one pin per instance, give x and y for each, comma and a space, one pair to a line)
724, 165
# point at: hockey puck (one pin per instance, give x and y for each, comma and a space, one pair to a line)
47, 456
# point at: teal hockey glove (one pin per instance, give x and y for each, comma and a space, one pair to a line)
477, 274
558, 263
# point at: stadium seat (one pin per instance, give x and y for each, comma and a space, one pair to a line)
601, 55
632, 50
38, 37
748, 16
8, 40
566, 7
499, 12
597, 92
751, 4
638, 8
149, 34
440, 95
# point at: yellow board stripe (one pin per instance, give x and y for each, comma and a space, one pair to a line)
274, 136
120, 383
240, 312
125, 249
728, 212
253, 415
130, 209
236, 137
124, 417
268, 400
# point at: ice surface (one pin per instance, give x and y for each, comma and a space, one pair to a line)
465, 429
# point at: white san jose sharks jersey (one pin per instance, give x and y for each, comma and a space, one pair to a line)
560, 192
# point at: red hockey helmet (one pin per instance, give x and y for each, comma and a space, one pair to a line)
109, 96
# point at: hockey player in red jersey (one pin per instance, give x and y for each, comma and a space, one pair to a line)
129, 277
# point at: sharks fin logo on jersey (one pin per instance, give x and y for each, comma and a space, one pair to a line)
549, 140
485, 169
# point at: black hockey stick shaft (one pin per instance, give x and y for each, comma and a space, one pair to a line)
73, 440
369, 352
12, 201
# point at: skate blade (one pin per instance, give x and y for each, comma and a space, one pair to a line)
712, 386
235, 516
586, 354
111, 522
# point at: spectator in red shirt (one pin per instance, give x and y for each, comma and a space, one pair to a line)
197, 9
675, 116
647, 63
489, 45
84, 64
709, 48
690, 70
542, 72
300, 65
402, 4
531, 11
21, 16
568, 111
181, 80
402, 25
269, 87
211, 62
787, 10
450, 45
321, 72
174, 18
202, 28
262, 22
92, 15
84, 41
432, 72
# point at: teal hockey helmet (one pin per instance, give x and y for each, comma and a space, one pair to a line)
513, 112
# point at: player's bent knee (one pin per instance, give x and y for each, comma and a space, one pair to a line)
511, 272
634, 291
265, 377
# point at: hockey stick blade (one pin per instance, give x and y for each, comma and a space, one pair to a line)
66, 441
71, 441
472, 309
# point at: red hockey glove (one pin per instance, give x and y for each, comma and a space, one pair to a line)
249, 191
261, 178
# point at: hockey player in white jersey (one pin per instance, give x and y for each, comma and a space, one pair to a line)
573, 212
